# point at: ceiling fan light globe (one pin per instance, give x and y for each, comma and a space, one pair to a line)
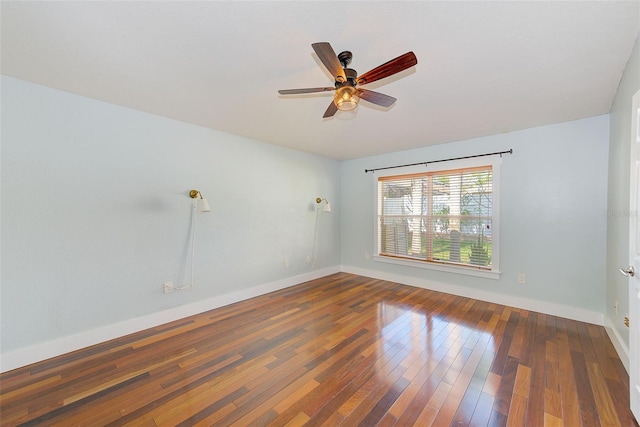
345, 98
347, 105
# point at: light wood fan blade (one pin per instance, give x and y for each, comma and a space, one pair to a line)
375, 97
390, 68
333, 108
330, 60
305, 90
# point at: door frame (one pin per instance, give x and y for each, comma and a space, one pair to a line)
634, 258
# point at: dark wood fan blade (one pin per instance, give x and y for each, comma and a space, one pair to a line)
376, 98
390, 68
305, 90
330, 60
333, 108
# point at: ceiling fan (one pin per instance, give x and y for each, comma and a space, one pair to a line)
347, 79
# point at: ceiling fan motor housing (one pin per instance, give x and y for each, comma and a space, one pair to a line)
351, 75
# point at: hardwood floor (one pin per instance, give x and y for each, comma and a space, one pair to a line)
341, 350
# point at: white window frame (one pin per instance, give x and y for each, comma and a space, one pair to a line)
495, 163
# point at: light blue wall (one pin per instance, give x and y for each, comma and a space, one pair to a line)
553, 212
96, 216
111, 220
618, 195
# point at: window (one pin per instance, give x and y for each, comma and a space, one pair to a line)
444, 219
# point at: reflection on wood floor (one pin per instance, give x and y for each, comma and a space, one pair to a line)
341, 350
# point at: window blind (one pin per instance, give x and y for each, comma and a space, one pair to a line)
439, 217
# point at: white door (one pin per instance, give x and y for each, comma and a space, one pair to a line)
634, 261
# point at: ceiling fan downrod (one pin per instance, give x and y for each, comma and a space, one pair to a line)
350, 74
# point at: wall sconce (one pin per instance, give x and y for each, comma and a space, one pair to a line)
327, 206
201, 203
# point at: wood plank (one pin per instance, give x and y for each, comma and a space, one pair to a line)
523, 381
552, 421
568, 392
482, 411
588, 408
606, 408
518, 411
537, 360
505, 391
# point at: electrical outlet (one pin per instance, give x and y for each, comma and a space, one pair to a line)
615, 306
286, 263
522, 279
366, 255
308, 259
167, 287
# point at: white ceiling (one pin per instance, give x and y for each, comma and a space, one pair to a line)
483, 67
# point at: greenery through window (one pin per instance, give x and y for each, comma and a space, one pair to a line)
440, 217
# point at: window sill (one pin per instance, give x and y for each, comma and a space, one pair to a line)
495, 275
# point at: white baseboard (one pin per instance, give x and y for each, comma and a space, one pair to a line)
49, 349
618, 342
46, 350
545, 307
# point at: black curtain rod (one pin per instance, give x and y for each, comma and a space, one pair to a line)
500, 153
